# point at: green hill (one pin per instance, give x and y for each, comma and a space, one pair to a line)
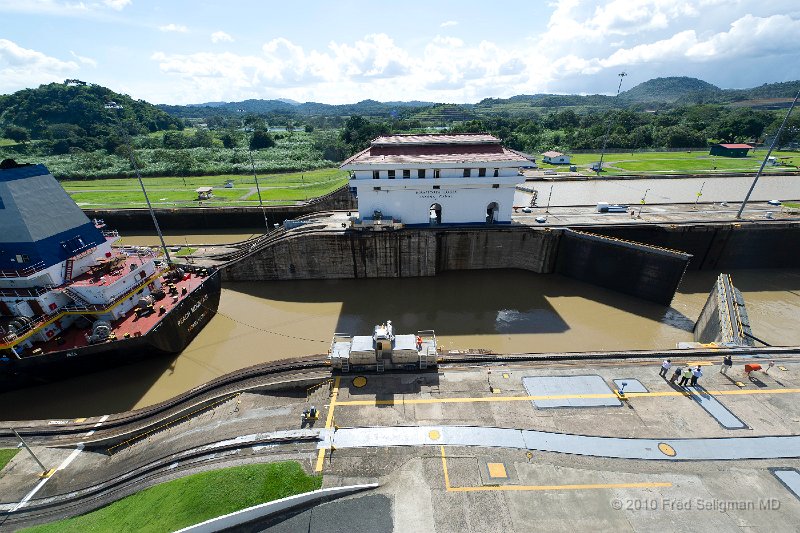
673, 89
76, 114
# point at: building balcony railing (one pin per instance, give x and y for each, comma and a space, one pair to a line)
23, 272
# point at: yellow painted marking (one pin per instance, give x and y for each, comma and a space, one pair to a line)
497, 470
359, 381
783, 368
61, 314
740, 384
505, 376
328, 423
79, 420
48, 473
699, 363
496, 390
434, 435
666, 449
450, 488
627, 395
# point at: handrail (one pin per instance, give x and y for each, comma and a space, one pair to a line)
31, 329
23, 272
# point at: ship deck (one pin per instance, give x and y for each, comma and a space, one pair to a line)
130, 323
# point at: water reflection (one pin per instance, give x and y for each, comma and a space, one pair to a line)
506, 311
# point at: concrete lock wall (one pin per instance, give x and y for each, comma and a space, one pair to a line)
720, 246
631, 268
403, 253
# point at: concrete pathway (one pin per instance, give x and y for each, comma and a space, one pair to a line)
705, 449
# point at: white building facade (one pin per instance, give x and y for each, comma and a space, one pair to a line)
436, 179
555, 158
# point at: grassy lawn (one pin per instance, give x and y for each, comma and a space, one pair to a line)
176, 191
682, 162
193, 499
6, 455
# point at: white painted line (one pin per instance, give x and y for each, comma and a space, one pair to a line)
103, 419
62, 466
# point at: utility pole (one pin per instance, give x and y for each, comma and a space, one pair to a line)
25, 445
608, 128
258, 189
766, 157
116, 106
642, 202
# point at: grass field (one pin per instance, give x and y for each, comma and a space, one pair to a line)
180, 192
6, 455
190, 500
676, 162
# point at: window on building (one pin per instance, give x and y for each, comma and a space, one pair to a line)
391, 174
481, 172
376, 188
421, 173
436, 187
406, 174
467, 172
376, 174
496, 172
495, 185
436, 173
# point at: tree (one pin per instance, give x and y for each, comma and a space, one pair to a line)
228, 140
17, 134
261, 139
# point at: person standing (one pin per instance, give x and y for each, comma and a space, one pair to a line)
727, 363
696, 374
665, 366
685, 375
675, 375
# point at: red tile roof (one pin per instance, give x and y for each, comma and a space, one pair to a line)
436, 149
736, 146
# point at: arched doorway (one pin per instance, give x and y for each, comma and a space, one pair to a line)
492, 211
435, 214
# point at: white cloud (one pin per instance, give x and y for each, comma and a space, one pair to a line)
63, 8
448, 23
118, 5
174, 28
221, 37
84, 60
23, 67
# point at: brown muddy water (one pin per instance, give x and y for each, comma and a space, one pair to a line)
505, 311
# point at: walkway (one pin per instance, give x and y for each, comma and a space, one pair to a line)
707, 449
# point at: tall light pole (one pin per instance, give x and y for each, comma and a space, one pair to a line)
766, 157
258, 189
116, 106
608, 128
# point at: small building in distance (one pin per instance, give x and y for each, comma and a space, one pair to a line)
555, 158
730, 150
433, 179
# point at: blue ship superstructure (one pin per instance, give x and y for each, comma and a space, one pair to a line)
57, 267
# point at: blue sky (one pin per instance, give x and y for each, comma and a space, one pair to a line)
180, 52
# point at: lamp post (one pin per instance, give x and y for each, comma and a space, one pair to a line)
766, 157
642, 202
116, 106
608, 128
258, 189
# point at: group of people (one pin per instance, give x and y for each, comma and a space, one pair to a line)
688, 376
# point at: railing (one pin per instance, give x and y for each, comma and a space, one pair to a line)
27, 293
23, 272
30, 329
110, 234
